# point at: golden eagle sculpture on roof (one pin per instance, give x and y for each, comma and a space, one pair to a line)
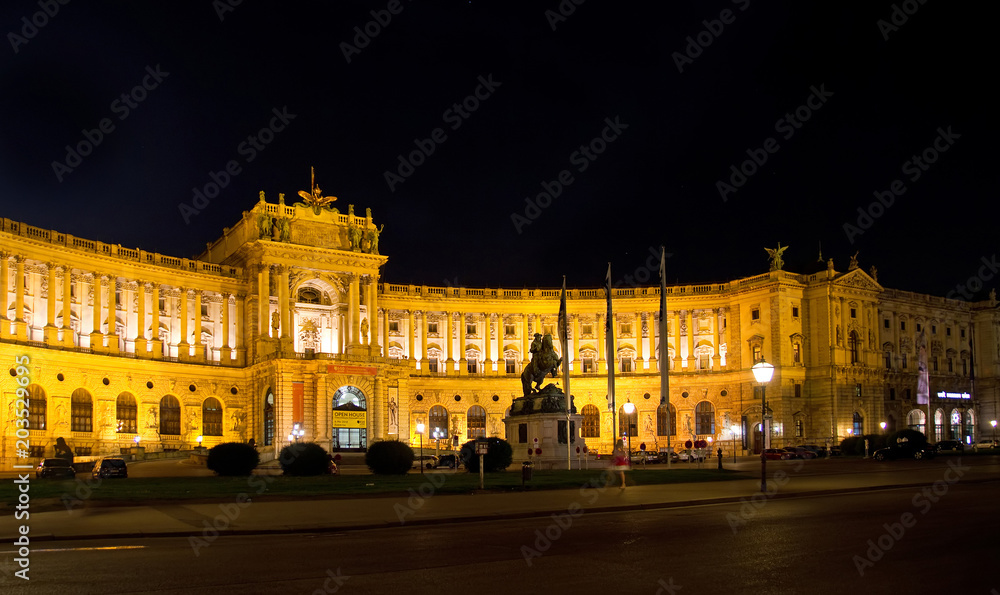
314, 198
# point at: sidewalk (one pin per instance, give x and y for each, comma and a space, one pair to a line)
423, 506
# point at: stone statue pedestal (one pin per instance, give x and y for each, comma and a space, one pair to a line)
539, 416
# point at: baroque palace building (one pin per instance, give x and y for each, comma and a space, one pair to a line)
283, 321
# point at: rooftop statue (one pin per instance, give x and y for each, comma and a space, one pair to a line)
314, 198
775, 255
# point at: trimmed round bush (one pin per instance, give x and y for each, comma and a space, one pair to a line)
498, 457
389, 457
233, 459
907, 435
304, 458
852, 446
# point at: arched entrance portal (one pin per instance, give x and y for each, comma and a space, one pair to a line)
350, 419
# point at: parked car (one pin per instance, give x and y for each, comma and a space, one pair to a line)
448, 460
674, 457
777, 454
55, 468
110, 467
954, 445
904, 450
986, 443
800, 453
816, 449
428, 461
690, 455
835, 451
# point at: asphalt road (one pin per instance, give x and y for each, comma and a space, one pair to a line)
920, 542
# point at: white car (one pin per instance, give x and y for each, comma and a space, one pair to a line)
986, 443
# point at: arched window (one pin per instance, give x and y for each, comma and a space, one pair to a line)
211, 416
915, 420
437, 422
591, 422
628, 424
82, 411
852, 346
476, 422
36, 407
663, 420
350, 420
939, 425
309, 295
269, 418
858, 424
126, 414
956, 425
704, 418
170, 416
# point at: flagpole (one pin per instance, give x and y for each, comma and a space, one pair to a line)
564, 343
663, 354
609, 348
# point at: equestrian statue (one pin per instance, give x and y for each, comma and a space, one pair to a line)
544, 360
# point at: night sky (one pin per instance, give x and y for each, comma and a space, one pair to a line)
634, 114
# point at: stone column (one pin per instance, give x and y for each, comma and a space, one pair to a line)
264, 301
112, 333
373, 316
354, 313
487, 340
463, 362
411, 334
377, 426
385, 334
844, 318
716, 330
577, 367
690, 323
525, 359
20, 327
67, 326
183, 347
225, 351
241, 326
199, 347
284, 312
602, 364
640, 337
449, 365
96, 339
4, 286
51, 333
677, 343
155, 323
423, 342
141, 346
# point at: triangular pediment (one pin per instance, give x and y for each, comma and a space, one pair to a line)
858, 279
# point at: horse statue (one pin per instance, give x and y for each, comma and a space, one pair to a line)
544, 360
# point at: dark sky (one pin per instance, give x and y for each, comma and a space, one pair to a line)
863, 102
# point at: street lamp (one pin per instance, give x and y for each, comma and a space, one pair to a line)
882, 425
420, 461
629, 409
993, 423
296, 433
762, 372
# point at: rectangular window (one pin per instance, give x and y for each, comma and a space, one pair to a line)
885, 323
204, 310
703, 362
888, 360
903, 361
857, 390
432, 328
796, 353
854, 312
935, 363
947, 331
510, 365
902, 325
755, 314
587, 329
933, 329
892, 394
509, 330
626, 365
795, 311
432, 365
962, 334
472, 366
162, 305
470, 328
798, 428
393, 326
798, 389
920, 327
625, 329
37, 452
82, 417
588, 365
908, 394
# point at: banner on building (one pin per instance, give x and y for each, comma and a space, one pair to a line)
349, 419
358, 370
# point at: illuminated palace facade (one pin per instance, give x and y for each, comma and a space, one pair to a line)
283, 321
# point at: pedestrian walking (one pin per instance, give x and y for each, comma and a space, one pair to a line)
620, 462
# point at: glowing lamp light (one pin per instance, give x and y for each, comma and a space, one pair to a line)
199, 439
136, 440
629, 407
420, 428
762, 372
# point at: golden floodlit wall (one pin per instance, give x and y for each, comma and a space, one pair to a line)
284, 322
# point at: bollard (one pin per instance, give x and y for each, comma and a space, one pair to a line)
526, 472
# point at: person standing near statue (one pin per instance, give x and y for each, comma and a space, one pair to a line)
620, 461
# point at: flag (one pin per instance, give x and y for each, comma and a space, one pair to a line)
923, 379
663, 353
564, 343
563, 326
